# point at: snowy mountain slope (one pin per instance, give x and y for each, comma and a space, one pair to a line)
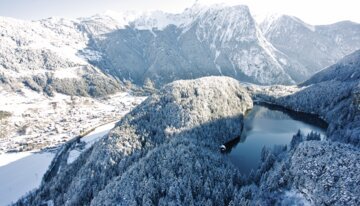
43, 54
103, 23
344, 34
333, 94
312, 47
313, 172
221, 40
201, 41
152, 149
346, 70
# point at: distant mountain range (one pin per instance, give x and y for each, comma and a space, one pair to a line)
107, 49
312, 47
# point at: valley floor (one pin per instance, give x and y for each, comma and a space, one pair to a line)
22, 172
36, 122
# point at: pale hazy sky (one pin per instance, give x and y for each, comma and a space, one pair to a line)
311, 11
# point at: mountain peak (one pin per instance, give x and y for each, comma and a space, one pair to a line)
122, 16
273, 21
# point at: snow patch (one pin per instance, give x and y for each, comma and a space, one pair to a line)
293, 197
73, 155
71, 73
98, 133
22, 176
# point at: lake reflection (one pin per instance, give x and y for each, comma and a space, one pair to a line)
268, 126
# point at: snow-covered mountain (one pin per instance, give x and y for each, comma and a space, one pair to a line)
346, 70
333, 94
312, 47
220, 40
147, 157
201, 41
99, 51
44, 55
150, 153
320, 172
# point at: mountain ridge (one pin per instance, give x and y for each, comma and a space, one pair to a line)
315, 47
163, 47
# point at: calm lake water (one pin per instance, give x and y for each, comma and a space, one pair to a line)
266, 126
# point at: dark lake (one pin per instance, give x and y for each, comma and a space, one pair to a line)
266, 126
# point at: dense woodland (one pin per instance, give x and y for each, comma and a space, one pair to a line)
165, 152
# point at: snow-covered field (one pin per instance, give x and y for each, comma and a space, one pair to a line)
38, 122
22, 175
48, 122
89, 140
23, 171
8, 158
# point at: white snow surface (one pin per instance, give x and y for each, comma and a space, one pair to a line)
98, 133
57, 35
73, 155
23, 175
7, 158
90, 139
270, 21
293, 197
